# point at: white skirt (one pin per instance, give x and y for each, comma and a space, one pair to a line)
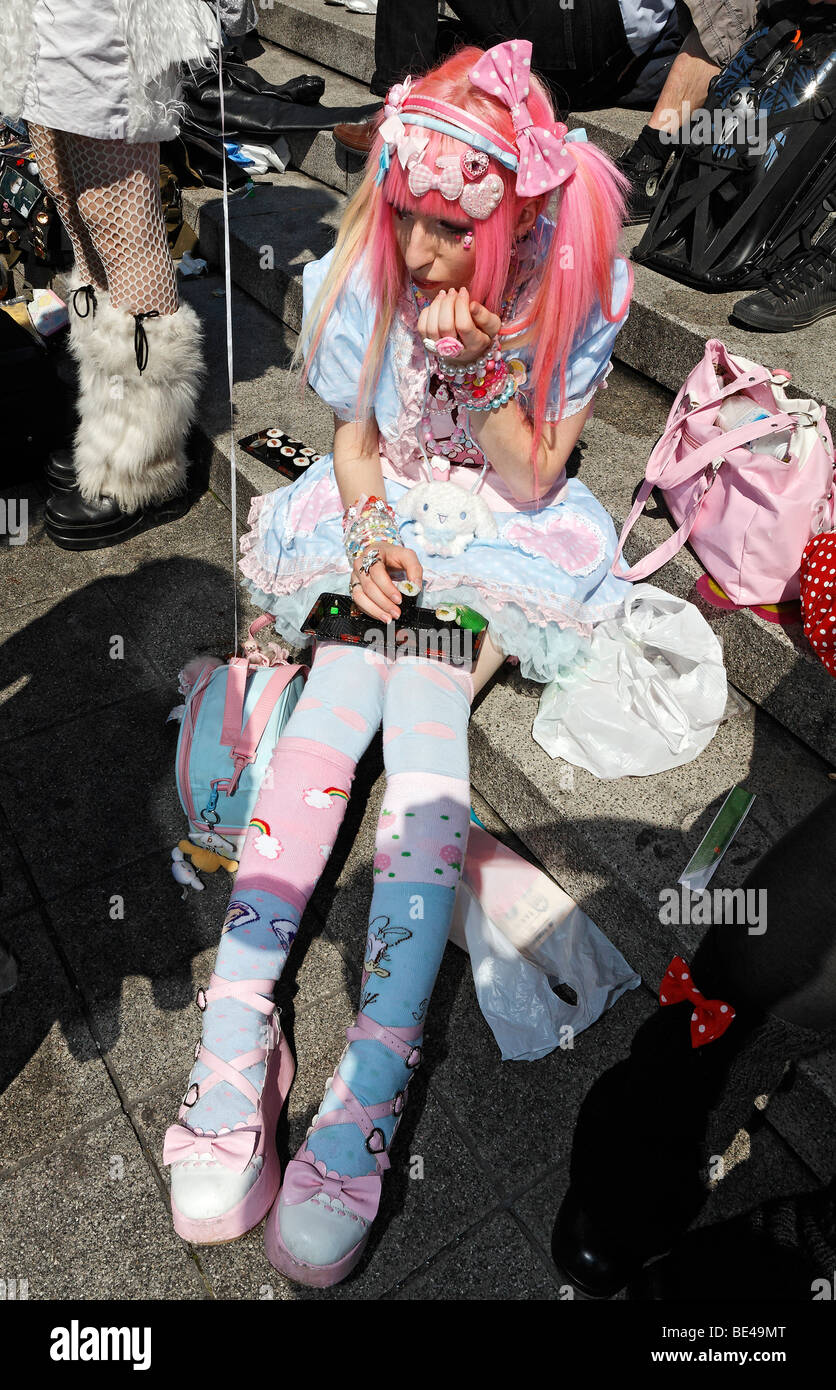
85, 80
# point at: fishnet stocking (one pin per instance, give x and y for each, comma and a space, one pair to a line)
51, 149
107, 194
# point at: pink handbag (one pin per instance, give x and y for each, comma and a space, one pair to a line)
747, 513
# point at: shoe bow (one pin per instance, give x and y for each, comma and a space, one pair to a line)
710, 1017
305, 1177
233, 1150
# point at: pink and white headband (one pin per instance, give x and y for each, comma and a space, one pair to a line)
539, 155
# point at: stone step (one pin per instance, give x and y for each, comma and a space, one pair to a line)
669, 323
292, 219
315, 152
613, 845
328, 34
289, 219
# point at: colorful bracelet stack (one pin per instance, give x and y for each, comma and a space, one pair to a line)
367, 520
486, 384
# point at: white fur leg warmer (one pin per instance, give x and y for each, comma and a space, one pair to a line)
130, 442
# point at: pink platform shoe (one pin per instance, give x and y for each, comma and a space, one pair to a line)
222, 1185
319, 1227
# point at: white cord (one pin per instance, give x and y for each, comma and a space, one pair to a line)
233, 481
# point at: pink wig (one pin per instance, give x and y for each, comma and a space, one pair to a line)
578, 270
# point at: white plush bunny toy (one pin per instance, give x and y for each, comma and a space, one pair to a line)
446, 517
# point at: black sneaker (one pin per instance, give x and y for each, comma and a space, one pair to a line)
795, 297
645, 174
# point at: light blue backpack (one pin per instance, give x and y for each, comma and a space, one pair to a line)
233, 718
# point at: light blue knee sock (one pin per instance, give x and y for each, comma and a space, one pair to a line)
420, 847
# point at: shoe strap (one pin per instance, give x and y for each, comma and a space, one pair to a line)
253, 992
231, 1071
402, 1041
224, 1071
363, 1117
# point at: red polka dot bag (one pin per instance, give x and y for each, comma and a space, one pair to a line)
818, 597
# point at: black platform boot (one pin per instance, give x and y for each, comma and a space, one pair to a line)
655, 1128
139, 377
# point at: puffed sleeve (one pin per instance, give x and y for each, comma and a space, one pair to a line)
589, 361
334, 371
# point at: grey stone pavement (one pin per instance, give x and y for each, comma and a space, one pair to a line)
97, 1036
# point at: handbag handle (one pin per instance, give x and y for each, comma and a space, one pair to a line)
697, 463
715, 350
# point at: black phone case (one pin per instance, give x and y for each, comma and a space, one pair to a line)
336, 618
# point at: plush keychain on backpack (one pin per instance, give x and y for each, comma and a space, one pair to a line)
207, 860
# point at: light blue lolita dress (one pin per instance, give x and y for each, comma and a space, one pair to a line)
538, 574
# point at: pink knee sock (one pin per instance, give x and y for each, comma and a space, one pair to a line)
296, 820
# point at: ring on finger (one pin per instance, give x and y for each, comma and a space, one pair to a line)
370, 558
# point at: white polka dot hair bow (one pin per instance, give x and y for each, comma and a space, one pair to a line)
545, 159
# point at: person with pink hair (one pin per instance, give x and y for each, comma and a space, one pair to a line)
458, 330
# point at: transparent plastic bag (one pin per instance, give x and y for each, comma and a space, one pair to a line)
649, 697
516, 990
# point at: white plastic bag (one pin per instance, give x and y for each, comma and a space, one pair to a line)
515, 994
650, 696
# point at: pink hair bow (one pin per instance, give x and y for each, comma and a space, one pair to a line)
305, 1177
233, 1150
545, 160
449, 182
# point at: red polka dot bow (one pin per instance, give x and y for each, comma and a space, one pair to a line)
818, 597
710, 1018
545, 159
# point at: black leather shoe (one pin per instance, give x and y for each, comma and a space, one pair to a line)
74, 524
60, 471
585, 1257
645, 175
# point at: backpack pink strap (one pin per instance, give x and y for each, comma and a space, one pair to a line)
243, 743
693, 467
236, 690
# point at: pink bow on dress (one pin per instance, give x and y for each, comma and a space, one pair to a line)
305, 1177
545, 160
233, 1150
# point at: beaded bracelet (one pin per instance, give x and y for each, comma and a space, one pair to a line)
367, 520
497, 389
446, 367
